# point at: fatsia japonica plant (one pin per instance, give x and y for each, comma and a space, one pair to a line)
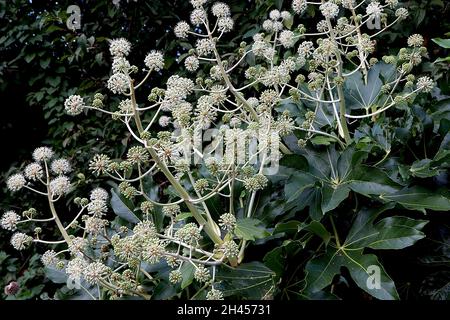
211, 144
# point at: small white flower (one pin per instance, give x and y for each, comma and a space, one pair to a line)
34, 171
61, 166
154, 60
43, 154
16, 182
99, 194
9, 220
191, 63
60, 185
20, 240
181, 29
118, 83
74, 105
119, 47
329, 9
220, 10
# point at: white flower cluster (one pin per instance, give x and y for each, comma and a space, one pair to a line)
374, 9
20, 240
154, 60
329, 10
74, 105
9, 220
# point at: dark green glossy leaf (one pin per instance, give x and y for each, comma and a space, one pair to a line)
250, 229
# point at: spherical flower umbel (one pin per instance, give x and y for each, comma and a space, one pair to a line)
202, 274
287, 38
154, 60
181, 29
348, 4
74, 105
118, 83
99, 194
120, 47
191, 63
225, 24
220, 10
164, 121
374, 9
198, 16
274, 15
9, 220
198, 3
16, 182
99, 164
75, 268
49, 258
415, 40
214, 294
230, 249
42, 154
20, 240
61, 166
392, 3
227, 221
402, 13
204, 47
425, 84
60, 186
120, 64
329, 9
34, 171
95, 271
77, 245
97, 207
299, 6
190, 233
175, 276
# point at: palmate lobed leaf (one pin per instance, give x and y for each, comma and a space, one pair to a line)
253, 280
322, 270
388, 233
419, 198
250, 229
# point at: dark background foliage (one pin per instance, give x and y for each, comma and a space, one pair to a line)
41, 61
